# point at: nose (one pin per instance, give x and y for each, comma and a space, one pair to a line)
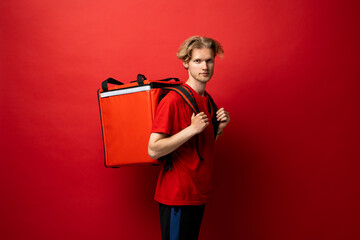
204, 65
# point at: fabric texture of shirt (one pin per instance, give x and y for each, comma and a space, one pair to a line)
189, 180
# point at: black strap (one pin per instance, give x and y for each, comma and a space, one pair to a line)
140, 79
189, 91
188, 97
168, 79
190, 100
104, 84
214, 120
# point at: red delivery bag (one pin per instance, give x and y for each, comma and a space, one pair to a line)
127, 112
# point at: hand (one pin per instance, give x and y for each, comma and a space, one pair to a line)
199, 122
223, 117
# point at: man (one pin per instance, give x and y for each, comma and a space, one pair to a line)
177, 132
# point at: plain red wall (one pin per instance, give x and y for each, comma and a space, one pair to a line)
287, 166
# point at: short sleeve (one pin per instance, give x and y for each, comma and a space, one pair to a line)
164, 115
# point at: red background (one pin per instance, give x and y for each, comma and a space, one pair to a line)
287, 165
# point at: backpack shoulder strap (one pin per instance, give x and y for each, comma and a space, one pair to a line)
188, 97
185, 94
214, 108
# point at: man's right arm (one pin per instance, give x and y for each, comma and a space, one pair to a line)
161, 144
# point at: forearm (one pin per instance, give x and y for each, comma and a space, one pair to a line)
160, 146
224, 118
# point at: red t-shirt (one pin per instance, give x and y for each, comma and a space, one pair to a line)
189, 181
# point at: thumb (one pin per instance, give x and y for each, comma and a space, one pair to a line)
193, 115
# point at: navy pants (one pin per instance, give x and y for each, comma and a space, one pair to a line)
180, 222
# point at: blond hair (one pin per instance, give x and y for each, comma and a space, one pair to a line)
189, 44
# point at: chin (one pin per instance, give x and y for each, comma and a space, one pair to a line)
205, 79
202, 79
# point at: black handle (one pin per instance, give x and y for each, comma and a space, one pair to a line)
168, 79
140, 79
104, 84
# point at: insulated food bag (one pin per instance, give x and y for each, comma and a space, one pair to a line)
127, 112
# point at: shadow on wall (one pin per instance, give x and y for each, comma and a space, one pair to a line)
230, 207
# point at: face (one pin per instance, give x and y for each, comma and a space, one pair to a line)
201, 65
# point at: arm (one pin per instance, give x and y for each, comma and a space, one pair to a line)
161, 144
224, 118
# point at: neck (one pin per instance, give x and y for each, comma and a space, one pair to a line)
199, 87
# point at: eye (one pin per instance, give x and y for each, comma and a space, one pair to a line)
210, 61
197, 60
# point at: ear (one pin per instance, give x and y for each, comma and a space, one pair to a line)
186, 65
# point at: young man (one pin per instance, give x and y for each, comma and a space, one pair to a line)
178, 133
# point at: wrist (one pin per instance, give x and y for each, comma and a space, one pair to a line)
192, 130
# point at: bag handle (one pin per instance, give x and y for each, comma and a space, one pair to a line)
140, 79
104, 84
168, 79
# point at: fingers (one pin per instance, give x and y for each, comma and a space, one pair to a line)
203, 117
199, 122
222, 115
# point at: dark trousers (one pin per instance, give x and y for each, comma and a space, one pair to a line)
180, 222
